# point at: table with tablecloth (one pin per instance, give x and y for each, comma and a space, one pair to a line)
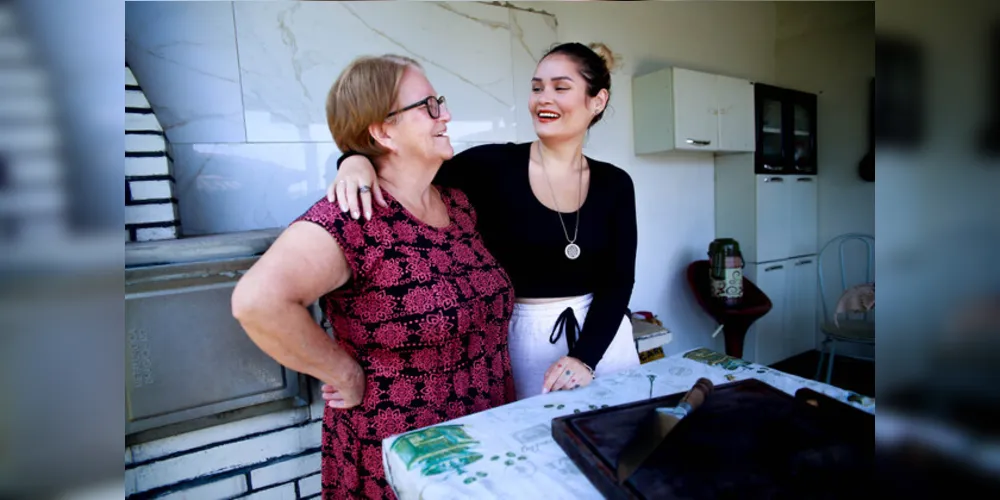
509, 452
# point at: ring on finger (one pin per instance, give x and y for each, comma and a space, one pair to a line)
364, 189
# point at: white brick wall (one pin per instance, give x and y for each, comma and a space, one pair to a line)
201, 438
29, 138
136, 121
147, 166
142, 214
43, 231
284, 492
262, 457
309, 486
156, 233
34, 169
151, 190
223, 458
285, 471
135, 99
143, 142
25, 107
30, 202
33, 198
140, 118
25, 79
223, 488
14, 49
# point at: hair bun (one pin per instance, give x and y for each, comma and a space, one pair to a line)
609, 57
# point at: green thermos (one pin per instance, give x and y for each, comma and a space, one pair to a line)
726, 271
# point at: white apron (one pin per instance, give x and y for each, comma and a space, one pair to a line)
532, 352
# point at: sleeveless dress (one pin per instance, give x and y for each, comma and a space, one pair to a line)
425, 314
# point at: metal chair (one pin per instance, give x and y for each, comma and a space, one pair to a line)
851, 329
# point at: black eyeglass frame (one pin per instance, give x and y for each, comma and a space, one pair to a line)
423, 102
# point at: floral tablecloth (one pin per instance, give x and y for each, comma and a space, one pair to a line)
509, 452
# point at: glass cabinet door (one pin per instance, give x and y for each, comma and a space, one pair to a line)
772, 124
804, 133
786, 131
772, 145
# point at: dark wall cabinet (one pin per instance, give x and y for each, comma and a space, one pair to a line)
785, 130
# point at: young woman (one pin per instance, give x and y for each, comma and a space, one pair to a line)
562, 225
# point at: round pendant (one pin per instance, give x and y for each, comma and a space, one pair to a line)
572, 251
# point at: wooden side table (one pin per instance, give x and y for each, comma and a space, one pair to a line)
735, 320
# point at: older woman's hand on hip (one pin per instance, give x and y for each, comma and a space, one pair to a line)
567, 373
346, 395
355, 176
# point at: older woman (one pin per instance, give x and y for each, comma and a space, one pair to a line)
562, 224
419, 307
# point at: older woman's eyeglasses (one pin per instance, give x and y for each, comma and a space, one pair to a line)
433, 107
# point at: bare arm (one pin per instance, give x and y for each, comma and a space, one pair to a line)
271, 303
356, 170
611, 298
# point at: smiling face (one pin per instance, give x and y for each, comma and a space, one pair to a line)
414, 133
560, 105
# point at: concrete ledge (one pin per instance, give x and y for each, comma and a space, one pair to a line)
200, 248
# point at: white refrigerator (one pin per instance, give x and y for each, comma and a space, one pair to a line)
774, 219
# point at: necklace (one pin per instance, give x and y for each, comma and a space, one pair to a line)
572, 250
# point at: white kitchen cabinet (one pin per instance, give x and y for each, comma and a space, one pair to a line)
786, 216
803, 204
682, 109
801, 319
769, 330
696, 118
773, 199
773, 217
736, 114
789, 328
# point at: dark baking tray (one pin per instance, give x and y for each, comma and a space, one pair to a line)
748, 440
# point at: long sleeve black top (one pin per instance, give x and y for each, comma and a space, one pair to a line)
528, 240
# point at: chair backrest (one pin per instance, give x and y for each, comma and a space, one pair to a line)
839, 244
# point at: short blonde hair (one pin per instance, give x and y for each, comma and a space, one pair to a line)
364, 94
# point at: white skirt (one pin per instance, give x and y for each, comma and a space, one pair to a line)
531, 352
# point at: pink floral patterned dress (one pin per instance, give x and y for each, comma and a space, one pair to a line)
425, 314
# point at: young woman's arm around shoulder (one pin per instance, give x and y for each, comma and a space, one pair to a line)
356, 184
271, 303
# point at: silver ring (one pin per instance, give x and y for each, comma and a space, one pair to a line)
364, 189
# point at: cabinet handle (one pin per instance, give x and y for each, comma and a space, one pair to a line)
696, 142
773, 268
769, 167
804, 179
773, 179
803, 262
